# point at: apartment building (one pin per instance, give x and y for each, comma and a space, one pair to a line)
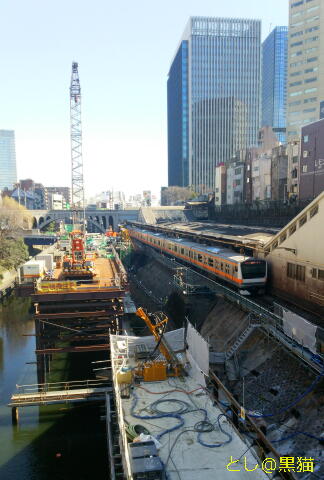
305, 64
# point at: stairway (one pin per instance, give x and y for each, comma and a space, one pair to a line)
239, 341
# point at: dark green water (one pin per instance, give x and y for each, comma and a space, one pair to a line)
53, 442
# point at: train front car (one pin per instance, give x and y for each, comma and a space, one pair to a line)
253, 273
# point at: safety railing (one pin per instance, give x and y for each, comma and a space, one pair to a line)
60, 386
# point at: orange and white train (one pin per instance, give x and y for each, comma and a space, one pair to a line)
244, 272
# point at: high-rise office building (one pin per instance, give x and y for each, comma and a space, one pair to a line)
305, 64
8, 171
213, 98
274, 81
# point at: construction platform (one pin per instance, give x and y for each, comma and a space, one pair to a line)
59, 392
193, 437
73, 316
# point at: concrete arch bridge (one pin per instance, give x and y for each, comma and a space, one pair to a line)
97, 220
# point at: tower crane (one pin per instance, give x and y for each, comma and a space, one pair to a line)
76, 147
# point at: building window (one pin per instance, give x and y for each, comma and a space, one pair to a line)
294, 84
312, 19
309, 110
310, 100
321, 275
310, 90
237, 171
296, 272
295, 74
283, 237
310, 50
312, 59
296, 64
311, 39
292, 229
291, 270
297, 34
295, 94
310, 80
296, 54
296, 102
312, 9
296, 44
300, 273
313, 211
306, 139
303, 220
312, 29
296, 4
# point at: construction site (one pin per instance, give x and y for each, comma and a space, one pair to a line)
176, 332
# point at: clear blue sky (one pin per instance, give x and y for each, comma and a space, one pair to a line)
124, 49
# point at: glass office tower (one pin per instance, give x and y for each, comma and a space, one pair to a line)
274, 81
178, 152
8, 172
213, 98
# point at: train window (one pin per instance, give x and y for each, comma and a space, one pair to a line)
182, 251
210, 262
236, 269
275, 245
253, 269
321, 275
314, 272
200, 258
175, 248
227, 268
221, 266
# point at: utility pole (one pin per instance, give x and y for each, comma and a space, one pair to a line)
76, 148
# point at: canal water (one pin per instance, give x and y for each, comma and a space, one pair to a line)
58, 442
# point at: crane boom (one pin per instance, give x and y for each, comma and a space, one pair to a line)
164, 348
76, 141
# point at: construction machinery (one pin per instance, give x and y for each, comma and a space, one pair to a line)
159, 370
78, 264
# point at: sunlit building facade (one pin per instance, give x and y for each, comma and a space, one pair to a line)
274, 81
8, 171
213, 98
305, 65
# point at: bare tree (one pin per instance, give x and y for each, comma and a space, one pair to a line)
13, 218
176, 195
